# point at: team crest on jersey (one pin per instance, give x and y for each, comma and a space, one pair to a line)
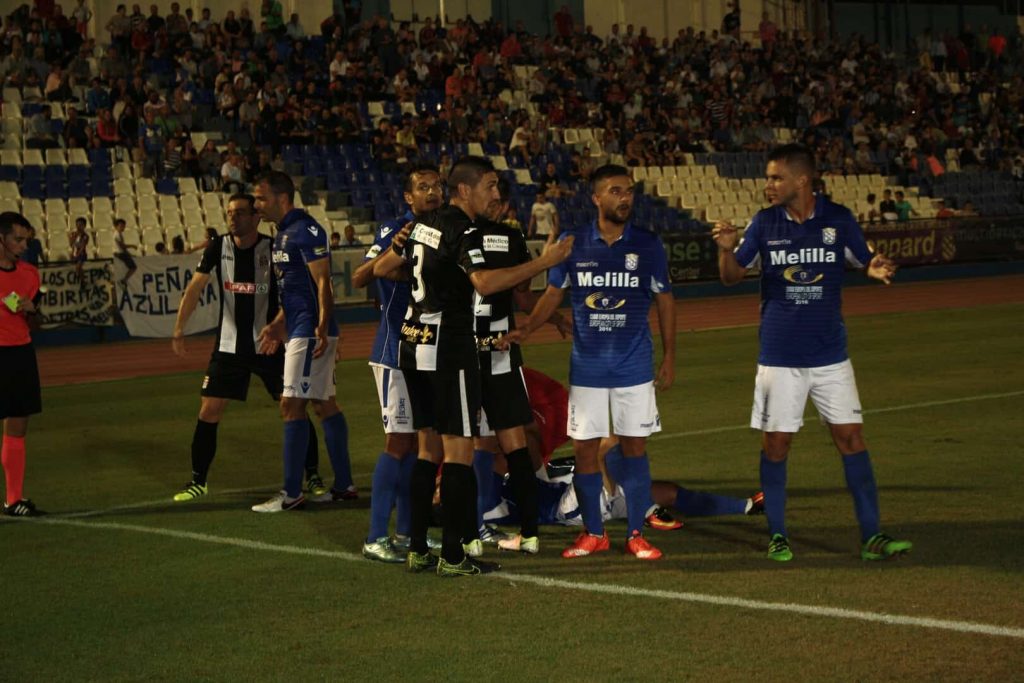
828, 235
424, 234
632, 261
599, 301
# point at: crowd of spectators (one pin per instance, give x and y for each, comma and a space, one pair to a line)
267, 81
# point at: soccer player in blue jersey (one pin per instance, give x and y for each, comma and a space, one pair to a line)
306, 326
803, 243
424, 193
615, 270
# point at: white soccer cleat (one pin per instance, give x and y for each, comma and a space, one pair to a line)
281, 503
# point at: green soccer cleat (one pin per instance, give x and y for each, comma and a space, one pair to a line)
468, 567
315, 485
420, 562
882, 547
778, 549
191, 491
529, 545
382, 550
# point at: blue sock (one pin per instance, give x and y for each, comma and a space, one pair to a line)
483, 466
296, 443
701, 504
336, 437
636, 483
588, 493
403, 512
773, 483
382, 497
860, 480
613, 463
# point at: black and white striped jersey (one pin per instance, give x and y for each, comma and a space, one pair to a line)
502, 247
437, 333
248, 291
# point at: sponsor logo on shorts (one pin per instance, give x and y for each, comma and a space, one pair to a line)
206, 381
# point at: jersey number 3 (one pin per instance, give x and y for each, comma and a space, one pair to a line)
418, 290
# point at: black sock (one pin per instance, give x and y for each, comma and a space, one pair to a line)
457, 502
421, 498
523, 482
204, 447
469, 511
312, 451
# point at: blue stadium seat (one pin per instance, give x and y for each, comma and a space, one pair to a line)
79, 188
167, 186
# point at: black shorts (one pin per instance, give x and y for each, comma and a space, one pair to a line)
227, 375
447, 401
505, 400
19, 382
126, 259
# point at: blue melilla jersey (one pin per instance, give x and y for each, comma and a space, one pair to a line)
802, 268
299, 241
612, 288
394, 298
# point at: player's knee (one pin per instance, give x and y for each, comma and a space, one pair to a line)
211, 411
776, 445
848, 438
399, 444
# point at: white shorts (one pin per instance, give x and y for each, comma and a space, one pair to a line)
395, 407
780, 395
634, 411
305, 376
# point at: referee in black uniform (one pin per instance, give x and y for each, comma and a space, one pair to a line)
438, 354
249, 300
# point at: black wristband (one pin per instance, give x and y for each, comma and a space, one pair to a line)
398, 249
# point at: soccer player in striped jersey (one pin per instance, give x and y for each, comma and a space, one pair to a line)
306, 326
616, 270
438, 354
240, 263
424, 193
20, 395
803, 243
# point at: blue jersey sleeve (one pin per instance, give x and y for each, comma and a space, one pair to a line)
381, 241
857, 253
559, 275
750, 247
312, 242
659, 271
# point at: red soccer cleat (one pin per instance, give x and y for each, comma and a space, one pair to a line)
587, 544
638, 545
755, 504
662, 520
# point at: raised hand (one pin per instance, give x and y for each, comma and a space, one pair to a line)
726, 236
882, 268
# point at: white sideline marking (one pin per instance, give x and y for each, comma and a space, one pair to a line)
608, 589
873, 411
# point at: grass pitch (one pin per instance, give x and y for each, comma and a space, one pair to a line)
148, 589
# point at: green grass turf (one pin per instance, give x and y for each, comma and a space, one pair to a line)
114, 604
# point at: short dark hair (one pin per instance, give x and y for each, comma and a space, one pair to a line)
120, 221
605, 172
419, 167
82, 219
243, 197
504, 189
794, 154
280, 183
468, 171
8, 219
